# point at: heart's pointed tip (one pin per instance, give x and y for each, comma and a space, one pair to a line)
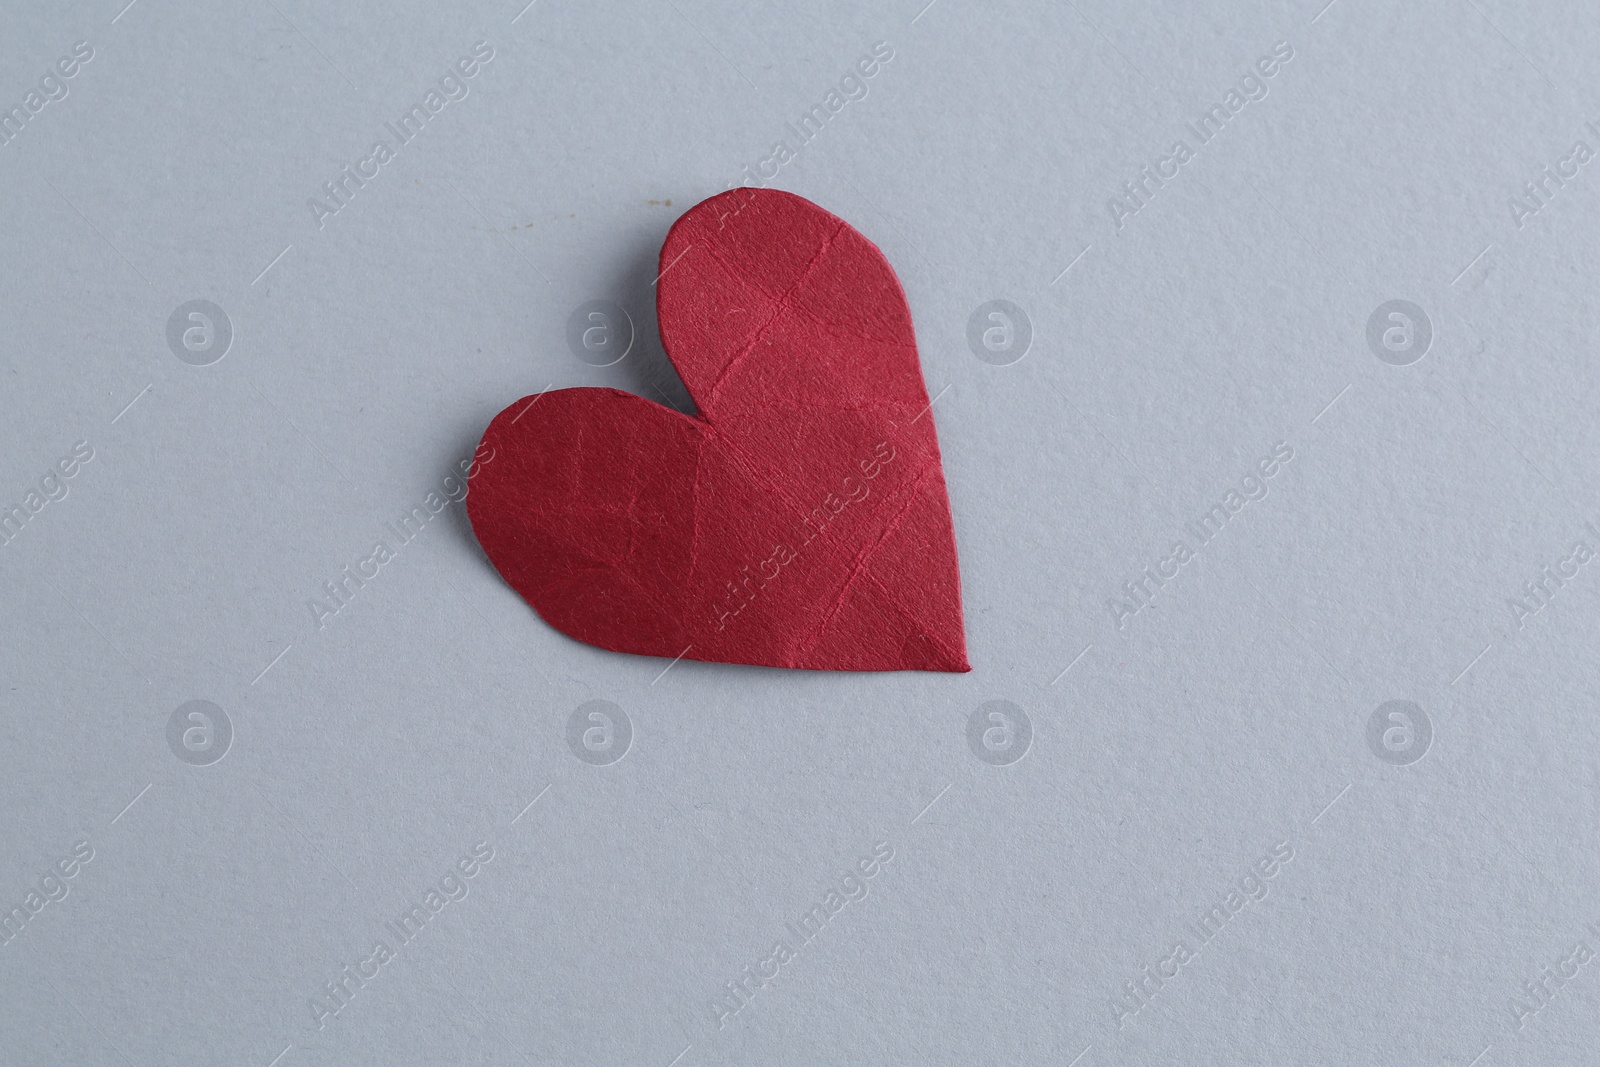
946, 661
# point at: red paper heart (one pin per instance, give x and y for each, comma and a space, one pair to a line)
800, 521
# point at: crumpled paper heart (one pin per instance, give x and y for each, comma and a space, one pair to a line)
800, 520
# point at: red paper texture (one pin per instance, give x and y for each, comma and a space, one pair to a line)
799, 521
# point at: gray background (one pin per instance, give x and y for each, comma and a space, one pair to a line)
1228, 314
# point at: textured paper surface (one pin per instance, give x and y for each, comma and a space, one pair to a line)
798, 520
276, 534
